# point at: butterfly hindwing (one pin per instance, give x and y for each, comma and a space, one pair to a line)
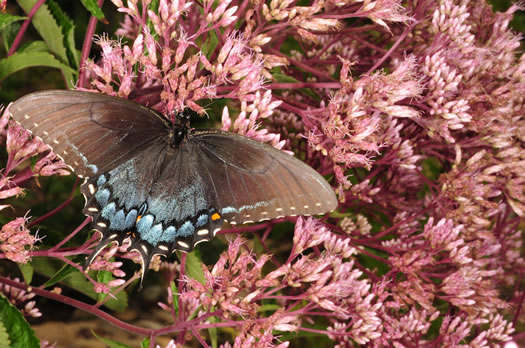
138, 200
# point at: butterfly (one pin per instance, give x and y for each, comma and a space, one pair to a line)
162, 184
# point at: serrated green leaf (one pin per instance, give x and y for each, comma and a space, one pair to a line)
48, 267
70, 44
68, 31
103, 277
20, 333
6, 19
34, 46
110, 343
210, 45
62, 274
175, 296
283, 78
4, 336
193, 266
268, 307
47, 27
145, 343
213, 331
27, 271
9, 34
33, 162
92, 7
23, 60
153, 6
432, 168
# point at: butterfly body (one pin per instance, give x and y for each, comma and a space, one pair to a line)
164, 185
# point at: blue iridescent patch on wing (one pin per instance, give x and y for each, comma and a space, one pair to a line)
186, 229
202, 220
102, 197
131, 219
169, 234
153, 235
228, 210
101, 180
93, 168
109, 211
144, 224
117, 222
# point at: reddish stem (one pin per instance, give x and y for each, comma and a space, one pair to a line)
392, 49
180, 284
56, 210
72, 234
23, 29
179, 326
303, 66
86, 48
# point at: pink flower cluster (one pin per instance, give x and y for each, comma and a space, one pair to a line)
18, 297
16, 240
20, 147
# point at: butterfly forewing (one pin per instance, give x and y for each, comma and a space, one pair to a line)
92, 132
252, 181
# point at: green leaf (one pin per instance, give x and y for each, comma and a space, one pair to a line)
269, 307
47, 27
210, 45
72, 51
77, 280
92, 7
34, 46
20, 333
57, 31
23, 60
193, 266
27, 272
9, 34
213, 331
432, 168
62, 274
103, 277
153, 6
110, 343
6, 19
175, 296
68, 31
283, 78
4, 336
145, 343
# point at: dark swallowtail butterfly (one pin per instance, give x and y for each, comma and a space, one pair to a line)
166, 186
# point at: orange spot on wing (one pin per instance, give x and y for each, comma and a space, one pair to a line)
138, 218
215, 216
